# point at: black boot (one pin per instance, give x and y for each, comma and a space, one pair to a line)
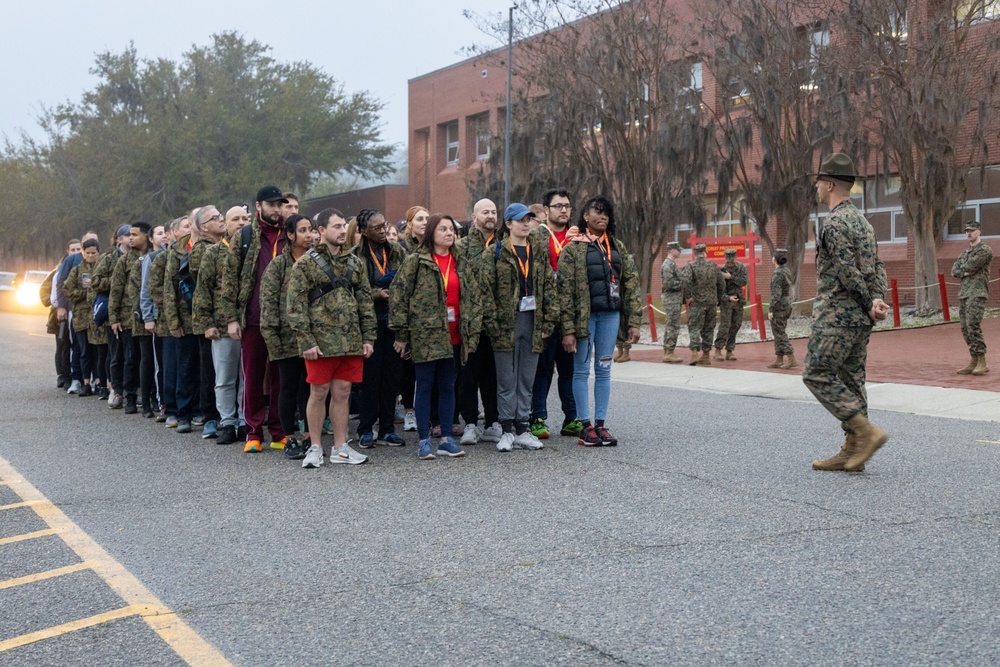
130, 406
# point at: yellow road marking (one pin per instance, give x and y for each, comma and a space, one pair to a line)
188, 644
28, 536
41, 576
990, 442
26, 503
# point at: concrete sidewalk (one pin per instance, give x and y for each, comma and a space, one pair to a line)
907, 398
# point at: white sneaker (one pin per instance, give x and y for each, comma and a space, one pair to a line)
527, 441
74, 387
505, 442
344, 454
491, 433
470, 435
115, 400
409, 421
314, 457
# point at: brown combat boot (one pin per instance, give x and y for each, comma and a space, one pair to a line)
778, 360
718, 354
706, 359
981, 367
730, 356
669, 357
618, 351
695, 356
790, 362
968, 369
868, 439
839, 460
624, 356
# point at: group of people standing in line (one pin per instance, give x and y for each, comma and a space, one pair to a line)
266, 319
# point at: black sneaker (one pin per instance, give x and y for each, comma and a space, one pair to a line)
227, 435
183, 425
103, 392
147, 413
85, 390
606, 438
589, 437
130, 406
241, 432
294, 449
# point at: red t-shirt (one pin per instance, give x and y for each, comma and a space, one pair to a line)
452, 290
556, 242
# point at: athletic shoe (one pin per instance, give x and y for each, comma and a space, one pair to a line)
491, 433
252, 447
539, 429
327, 427
279, 444
147, 413
60, 382
572, 428
391, 439
470, 435
114, 400
198, 420
398, 416
589, 438
295, 449
606, 439
85, 390
161, 416
210, 430
103, 393
313, 457
171, 422
527, 441
456, 430
436, 432
505, 443
345, 454
410, 421
366, 441
183, 426
227, 435
130, 406
448, 447
74, 387
302, 425
424, 450
241, 432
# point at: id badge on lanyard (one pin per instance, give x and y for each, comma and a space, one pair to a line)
526, 304
451, 314
615, 291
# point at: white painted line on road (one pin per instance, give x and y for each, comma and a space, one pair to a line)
990, 442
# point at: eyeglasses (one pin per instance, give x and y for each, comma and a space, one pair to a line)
560, 207
217, 216
378, 228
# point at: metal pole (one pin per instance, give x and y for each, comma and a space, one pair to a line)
506, 148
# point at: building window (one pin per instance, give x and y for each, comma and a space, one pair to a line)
975, 11
479, 127
696, 80
451, 143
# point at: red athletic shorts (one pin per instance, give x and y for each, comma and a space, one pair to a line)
326, 369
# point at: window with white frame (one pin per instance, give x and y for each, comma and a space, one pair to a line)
480, 127
451, 143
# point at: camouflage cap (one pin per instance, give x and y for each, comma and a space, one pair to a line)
673, 245
973, 224
780, 252
730, 252
838, 166
701, 247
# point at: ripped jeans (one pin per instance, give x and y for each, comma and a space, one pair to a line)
603, 328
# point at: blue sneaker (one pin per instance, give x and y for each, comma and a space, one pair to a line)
425, 452
448, 447
210, 430
366, 441
391, 439
327, 427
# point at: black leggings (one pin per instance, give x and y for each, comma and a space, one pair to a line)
99, 357
147, 373
294, 392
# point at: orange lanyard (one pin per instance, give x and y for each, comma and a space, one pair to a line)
188, 248
604, 244
555, 241
274, 251
446, 275
225, 241
489, 240
381, 267
525, 266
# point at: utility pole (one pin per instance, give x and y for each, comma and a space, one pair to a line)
506, 148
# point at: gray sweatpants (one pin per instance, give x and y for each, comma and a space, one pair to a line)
228, 388
516, 372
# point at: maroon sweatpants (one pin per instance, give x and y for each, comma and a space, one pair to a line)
255, 364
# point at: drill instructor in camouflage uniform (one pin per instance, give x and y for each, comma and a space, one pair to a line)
329, 307
850, 284
779, 311
704, 288
973, 267
673, 299
731, 307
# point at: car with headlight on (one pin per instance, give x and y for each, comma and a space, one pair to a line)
27, 290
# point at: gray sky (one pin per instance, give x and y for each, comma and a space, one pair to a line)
374, 45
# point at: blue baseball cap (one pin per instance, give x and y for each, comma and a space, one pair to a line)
123, 230
516, 212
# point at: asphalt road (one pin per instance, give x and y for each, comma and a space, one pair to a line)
704, 538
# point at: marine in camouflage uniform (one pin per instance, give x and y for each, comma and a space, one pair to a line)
100, 283
731, 306
702, 283
973, 267
83, 320
672, 296
780, 310
851, 282
123, 312
181, 353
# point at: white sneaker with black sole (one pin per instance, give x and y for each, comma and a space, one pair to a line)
506, 442
491, 433
470, 435
314, 457
410, 421
345, 454
527, 441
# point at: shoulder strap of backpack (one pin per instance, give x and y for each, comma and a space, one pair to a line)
246, 236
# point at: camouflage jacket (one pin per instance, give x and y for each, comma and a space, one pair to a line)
670, 279
123, 299
395, 255
475, 250
197, 252
973, 267
781, 291
409, 245
418, 314
736, 281
241, 275
83, 316
278, 336
849, 274
176, 311
156, 272
45, 296
100, 282
503, 288
341, 321
702, 282
574, 289
205, 311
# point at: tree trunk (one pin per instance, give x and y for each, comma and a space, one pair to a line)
928, 295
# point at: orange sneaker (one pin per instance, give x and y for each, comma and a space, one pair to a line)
252, 446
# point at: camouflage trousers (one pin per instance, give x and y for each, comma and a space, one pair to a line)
730, 320
779, 320
701, 326
970, 313
672, 304
835, 369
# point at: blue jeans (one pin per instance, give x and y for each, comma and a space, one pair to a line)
440, 372
553, 357
603, 328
